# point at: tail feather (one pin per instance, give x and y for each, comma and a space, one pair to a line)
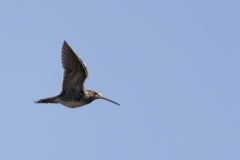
47, 100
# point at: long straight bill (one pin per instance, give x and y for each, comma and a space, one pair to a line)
110, 100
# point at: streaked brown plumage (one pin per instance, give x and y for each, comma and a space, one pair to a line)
75, 73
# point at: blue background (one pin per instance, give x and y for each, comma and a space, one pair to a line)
172, 65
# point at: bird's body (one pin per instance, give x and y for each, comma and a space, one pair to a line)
75, 73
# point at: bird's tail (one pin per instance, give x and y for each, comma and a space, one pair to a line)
47, 100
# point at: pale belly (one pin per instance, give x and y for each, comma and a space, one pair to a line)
72, 104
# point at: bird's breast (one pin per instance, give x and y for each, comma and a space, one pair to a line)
72, 104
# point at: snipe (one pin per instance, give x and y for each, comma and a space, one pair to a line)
75, 73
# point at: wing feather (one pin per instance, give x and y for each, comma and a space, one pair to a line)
75, 71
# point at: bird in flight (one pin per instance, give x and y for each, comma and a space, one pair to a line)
75, 73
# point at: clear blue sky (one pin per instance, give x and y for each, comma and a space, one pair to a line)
174, 66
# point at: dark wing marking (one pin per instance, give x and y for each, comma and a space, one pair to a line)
75, 71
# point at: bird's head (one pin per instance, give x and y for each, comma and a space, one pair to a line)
97, 95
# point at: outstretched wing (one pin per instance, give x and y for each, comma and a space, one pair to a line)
75, 71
